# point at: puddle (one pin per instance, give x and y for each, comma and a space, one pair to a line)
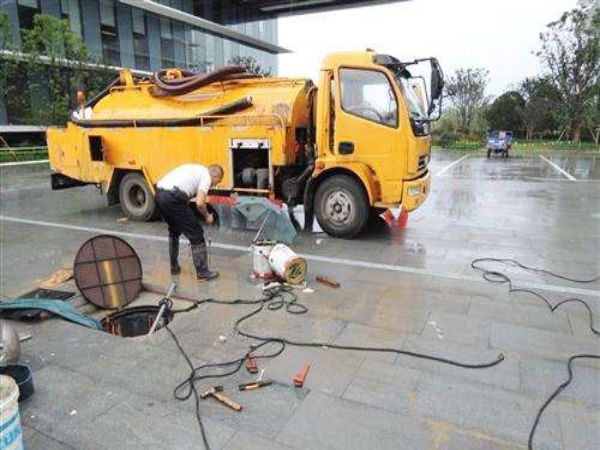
134, 321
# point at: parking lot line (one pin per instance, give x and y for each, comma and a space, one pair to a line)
23, 163
558, 168
308, 257
452, 164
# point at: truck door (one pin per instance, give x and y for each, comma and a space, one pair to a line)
367, 123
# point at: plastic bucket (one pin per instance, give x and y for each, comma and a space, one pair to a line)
260, 260
287, 264
10, 423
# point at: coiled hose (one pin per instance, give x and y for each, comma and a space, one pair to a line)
166, 85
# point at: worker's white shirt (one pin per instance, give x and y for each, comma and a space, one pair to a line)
188, 178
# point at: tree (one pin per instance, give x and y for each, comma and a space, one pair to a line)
541, 103
466, 90
570, 50
506, 112
55, 64
41, 79
251, 65
9, 69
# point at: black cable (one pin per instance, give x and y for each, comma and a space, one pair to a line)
275, 299
495, 276
514, 262
558, 390
246, 334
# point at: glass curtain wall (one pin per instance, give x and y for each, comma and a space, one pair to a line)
127, 36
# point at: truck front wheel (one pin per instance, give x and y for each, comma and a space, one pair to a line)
341, 206
136, 198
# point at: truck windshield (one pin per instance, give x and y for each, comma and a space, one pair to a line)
415, 107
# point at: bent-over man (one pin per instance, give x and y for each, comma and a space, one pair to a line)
174, 191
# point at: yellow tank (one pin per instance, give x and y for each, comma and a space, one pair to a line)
341, 150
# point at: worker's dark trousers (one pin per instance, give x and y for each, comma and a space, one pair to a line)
179, 216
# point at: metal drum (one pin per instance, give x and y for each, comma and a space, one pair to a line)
261, 268
287, 264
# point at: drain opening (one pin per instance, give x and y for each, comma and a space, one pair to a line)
134, 321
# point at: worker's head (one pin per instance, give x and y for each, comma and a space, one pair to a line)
216, 174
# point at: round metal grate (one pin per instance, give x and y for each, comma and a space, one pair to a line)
108, 272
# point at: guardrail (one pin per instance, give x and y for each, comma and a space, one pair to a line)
17, 154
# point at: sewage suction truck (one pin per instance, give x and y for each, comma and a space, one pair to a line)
355, 144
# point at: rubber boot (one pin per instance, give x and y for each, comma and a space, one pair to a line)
200, 257
174, 255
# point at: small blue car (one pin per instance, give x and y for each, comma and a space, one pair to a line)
499, 142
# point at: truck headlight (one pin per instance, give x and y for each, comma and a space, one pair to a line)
414, 190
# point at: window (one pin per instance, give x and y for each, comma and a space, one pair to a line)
110, 38
140, 39
167, 46
368, 94
27, 9
70, 10
107, 13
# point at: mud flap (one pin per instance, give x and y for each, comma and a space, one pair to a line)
309, 215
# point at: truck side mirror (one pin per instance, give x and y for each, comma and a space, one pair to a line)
437, 80
437, 86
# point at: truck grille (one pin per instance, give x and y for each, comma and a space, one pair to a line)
423, 160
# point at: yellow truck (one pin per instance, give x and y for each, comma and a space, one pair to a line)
355, 144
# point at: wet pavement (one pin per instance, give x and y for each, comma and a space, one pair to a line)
409, 288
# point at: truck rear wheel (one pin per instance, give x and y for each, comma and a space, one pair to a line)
136, 198
341, 206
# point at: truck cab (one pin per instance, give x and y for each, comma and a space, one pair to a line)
373, 142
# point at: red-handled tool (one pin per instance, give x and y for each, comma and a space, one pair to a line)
301, 376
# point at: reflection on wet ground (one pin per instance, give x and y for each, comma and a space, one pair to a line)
410, 288
529, 167
479, 205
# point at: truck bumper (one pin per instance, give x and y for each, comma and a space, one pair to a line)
415, 192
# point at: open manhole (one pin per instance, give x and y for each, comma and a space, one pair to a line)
134, 321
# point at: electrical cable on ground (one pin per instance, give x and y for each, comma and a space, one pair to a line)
274, 299
494, 276
555, 394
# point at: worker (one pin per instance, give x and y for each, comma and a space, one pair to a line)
173, 193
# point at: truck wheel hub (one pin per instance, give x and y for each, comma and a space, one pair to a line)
137, 197
339, 207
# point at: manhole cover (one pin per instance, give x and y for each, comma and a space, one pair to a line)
108, 272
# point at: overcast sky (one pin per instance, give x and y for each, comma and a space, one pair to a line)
499, 35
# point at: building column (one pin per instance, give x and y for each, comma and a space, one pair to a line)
154, 42
3, 113
125, 27
10, 8
178, 37
91, 28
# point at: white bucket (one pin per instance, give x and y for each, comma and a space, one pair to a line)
260, 260
287, 264
10, 423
